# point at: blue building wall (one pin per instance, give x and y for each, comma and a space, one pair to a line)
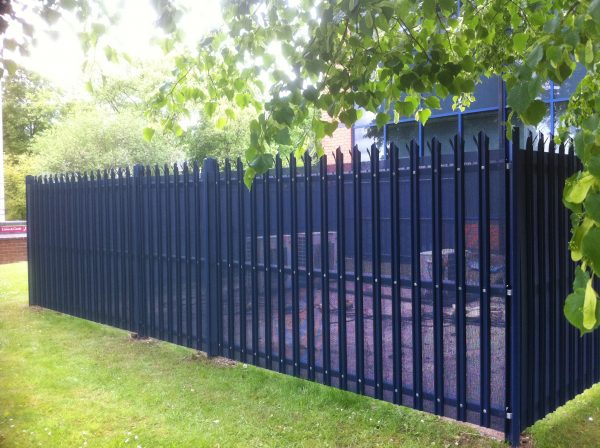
487, 114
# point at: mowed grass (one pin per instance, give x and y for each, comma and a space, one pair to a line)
576, 424
66, 382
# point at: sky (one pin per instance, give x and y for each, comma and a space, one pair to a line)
61, 59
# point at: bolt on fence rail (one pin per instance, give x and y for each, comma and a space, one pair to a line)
434, 279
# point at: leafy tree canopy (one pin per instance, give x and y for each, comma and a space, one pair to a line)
342, 56
23, 22
30, 105
90, 138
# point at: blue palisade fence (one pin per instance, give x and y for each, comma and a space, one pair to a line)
434, 279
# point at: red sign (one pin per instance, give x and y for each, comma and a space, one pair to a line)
13, 229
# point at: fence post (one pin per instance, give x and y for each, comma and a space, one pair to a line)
515, 286
30, 254
209, 171
139, 315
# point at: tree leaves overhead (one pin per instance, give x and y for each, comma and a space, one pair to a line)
329, 58
19, 16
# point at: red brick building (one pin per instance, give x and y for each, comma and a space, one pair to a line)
13, 242
342, 138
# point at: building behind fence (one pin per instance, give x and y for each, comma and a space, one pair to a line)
433, 279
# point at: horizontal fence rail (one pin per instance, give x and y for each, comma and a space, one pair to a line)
434, 279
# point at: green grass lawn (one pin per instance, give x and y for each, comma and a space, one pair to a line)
68, 382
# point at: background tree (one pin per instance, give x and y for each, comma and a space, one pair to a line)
90, 138
15, 170
204, 139
30, 106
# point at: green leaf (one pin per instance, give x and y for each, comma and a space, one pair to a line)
310, 93
249, 176
282, 137
68, 4
241, 99
429, 8
369, 20
382, 119
535, 112
210, 108
405, 108
423, 115
230, 113
594, 166
589, 52
589, 306
261, 163
535, 56
348, 117
148, 134
329, 127
284, 114
51, 16
554, 55
577, 187
441, 91
10, 65
519, 97
592, 206
221, 122
573, 309
579, 231
581, 279
594, 10
110, 53
520, 41
590, 248
433, 102
10, 44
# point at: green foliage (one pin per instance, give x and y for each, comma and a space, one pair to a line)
205, 140
335, 57
30, 106
30, 21
580, 306
90, 138
15, 170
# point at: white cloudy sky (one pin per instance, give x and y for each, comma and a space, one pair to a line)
61, 60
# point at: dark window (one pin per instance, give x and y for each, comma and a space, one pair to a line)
401, 134
477, 122
444, 129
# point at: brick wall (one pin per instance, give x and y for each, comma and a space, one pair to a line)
13, 248
342, 137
